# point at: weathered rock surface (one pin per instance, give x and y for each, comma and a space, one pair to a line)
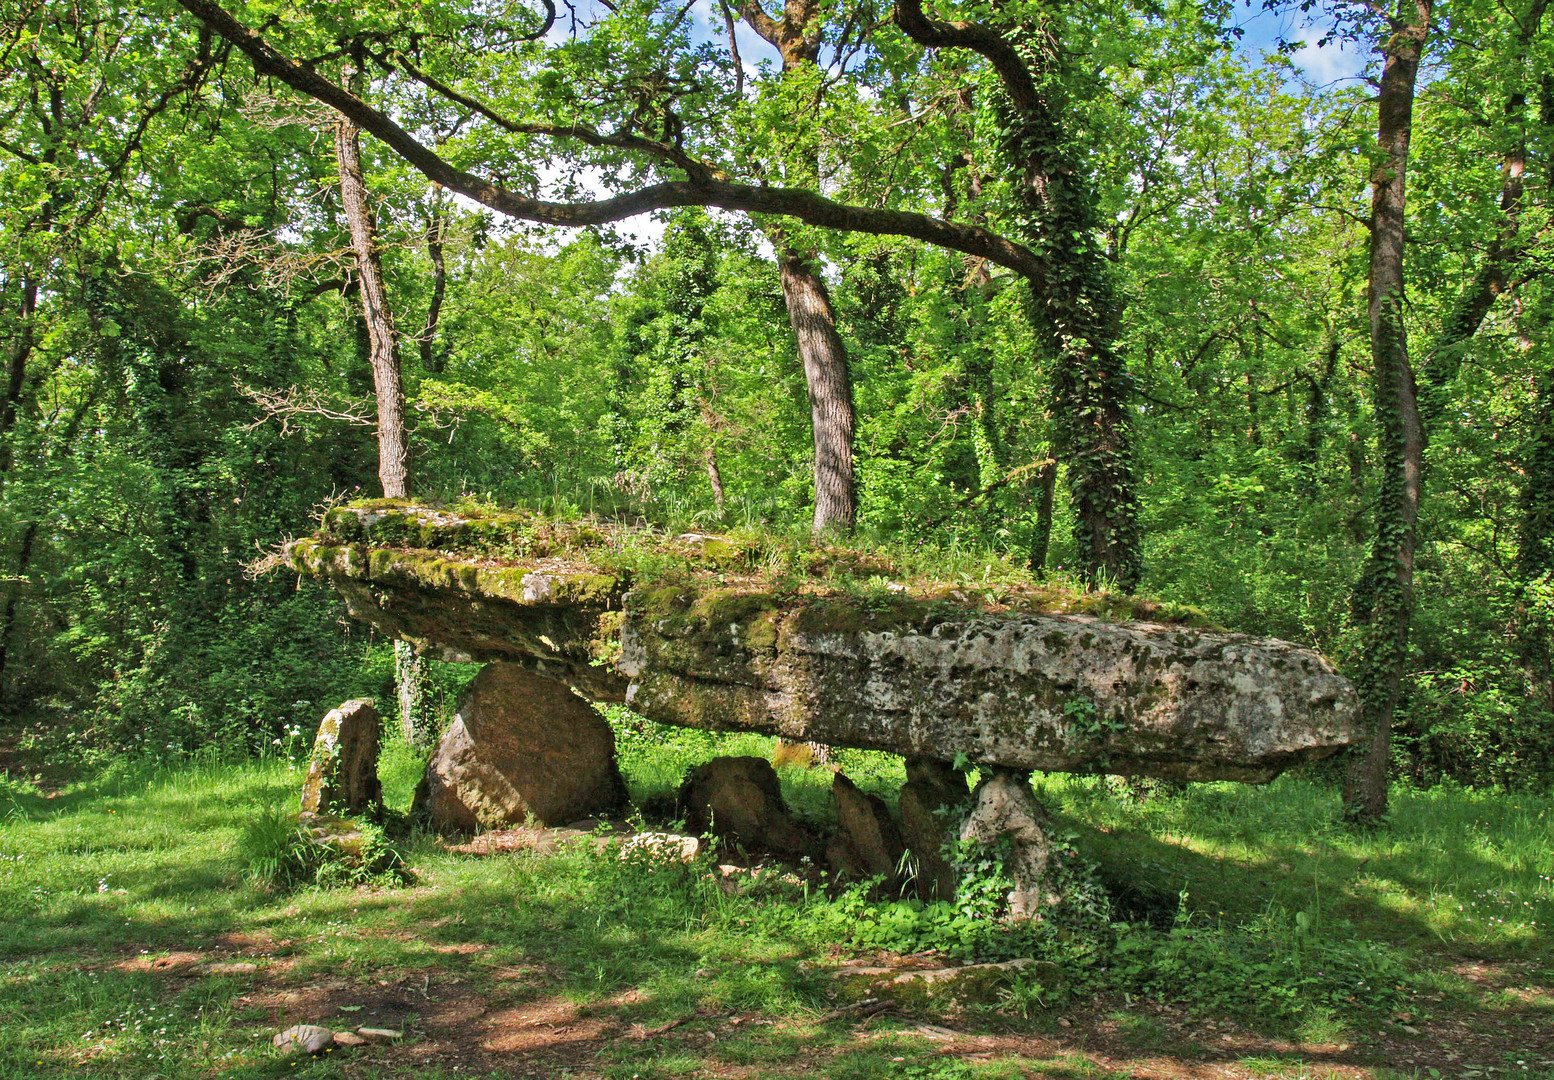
867, 843
1033, 692
380, 1035
739, 800
343, 771
304, 1039
521, 745
427, 577
1003, 807
928, 805
1000, 681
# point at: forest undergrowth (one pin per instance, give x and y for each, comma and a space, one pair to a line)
1240, 932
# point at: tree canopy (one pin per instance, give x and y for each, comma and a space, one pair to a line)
1110, 290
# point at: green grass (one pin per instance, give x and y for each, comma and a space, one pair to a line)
1474, 870
135, 864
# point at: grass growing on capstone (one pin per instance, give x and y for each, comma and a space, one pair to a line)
115, 873
475, 546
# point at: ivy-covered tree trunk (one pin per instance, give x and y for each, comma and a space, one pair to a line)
1535, 542
1535, 531
1073, 301
416, 717
1506, 249
22, 341
1385, 597
15, 588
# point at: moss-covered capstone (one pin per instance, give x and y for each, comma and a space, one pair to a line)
826, 646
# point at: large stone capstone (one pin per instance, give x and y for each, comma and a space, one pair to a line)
521, 746
1057, 693
1021, 678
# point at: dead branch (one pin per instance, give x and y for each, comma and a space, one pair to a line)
297, 401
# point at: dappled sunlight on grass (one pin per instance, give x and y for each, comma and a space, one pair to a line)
1456, 866
123, 908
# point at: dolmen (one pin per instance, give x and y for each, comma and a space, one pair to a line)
740, 634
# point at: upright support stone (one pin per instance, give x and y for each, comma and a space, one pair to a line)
868, 844
740, 800
522, 745
1005, 808
933, 792
343, 771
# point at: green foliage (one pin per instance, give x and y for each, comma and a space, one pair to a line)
275, 850
1278, 968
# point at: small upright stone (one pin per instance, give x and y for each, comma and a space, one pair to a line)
740, 800
343, 772
933, 791
866, 830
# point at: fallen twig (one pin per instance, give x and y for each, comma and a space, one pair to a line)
858, 1010
697, 1015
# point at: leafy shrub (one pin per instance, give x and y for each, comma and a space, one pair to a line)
276, 851
273, 851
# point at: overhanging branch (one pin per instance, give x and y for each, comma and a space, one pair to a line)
806, 206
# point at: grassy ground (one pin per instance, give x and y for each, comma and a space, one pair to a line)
132, 946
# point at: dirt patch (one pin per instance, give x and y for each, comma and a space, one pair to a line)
514, 1021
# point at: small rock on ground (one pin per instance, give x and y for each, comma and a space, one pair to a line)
380, 1035
304, 1039
661, 847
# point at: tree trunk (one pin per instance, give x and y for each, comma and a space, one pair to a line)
1041, 540
393, 440
1073, 299
1386, 594
436, 232
16, 372
830, 392
416, 718
797, 38
714, 477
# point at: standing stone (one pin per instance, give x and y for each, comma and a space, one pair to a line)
867, 841
1004, 807
521, 745
343, 771
933, 790
739, 799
